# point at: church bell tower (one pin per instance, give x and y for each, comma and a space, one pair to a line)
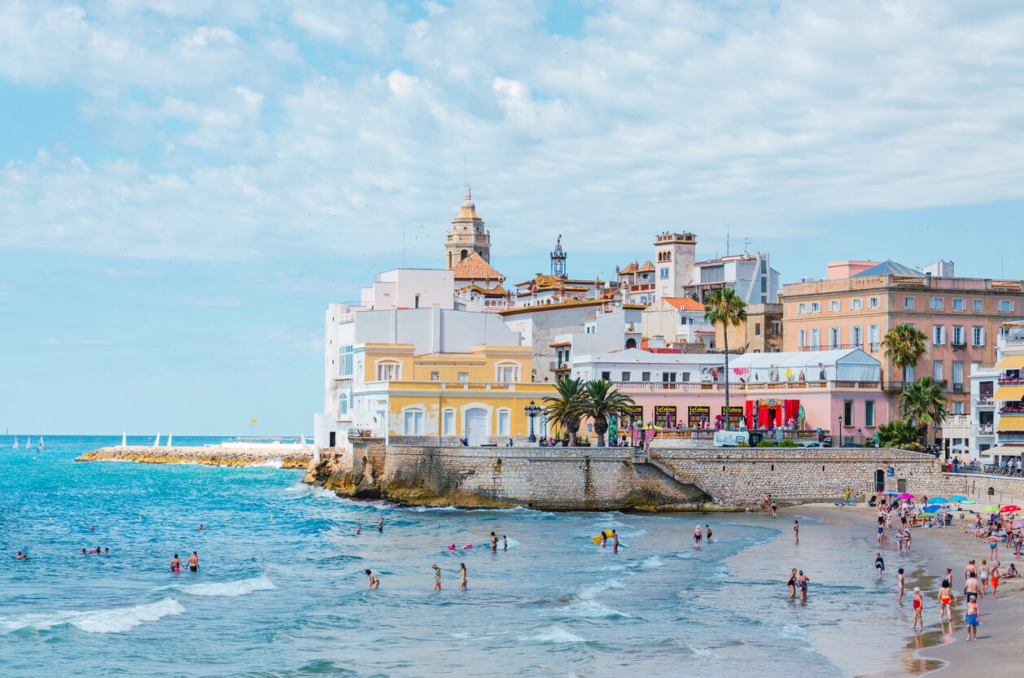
467, 235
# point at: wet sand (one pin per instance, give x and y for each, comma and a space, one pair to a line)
942, 647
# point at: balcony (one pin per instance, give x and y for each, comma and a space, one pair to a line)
956, 421
983, 401
983, 430
958, 388
684, 387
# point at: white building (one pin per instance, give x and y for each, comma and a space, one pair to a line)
635, 365
678, 320
997, 398
540, 325
410, 288
607, 331
751, 275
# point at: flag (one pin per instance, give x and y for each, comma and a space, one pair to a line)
254, 421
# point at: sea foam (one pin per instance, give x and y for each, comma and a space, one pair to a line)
112, 620
229, 588
554, 634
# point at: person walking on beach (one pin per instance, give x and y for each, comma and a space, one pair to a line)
792, 584
983, 577
949, 576
902, 583
175, 563
437, 578
973, 612
969, 571
774, 510
193, 562
796, 530
494, 542
801, 583
697, 537
994, 576
615, 541
374, 582
465, 580
707, 530
918, 604
993, 544
881, 528
380, 525
879, 565
946, 598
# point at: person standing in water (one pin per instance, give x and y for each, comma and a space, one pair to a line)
801, 583
504, 541
697, 536
462, 567
359, 528
707, 528
792, 584
902, 583
796, 530
374, 582
380, 525
604, 540
615, 541
918, 604
175, 563
879, 565
494, 542
193, 562
437, 578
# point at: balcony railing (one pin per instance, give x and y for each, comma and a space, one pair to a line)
983, 430
697, 386
1011, 437
983, 401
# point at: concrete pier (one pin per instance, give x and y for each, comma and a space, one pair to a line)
286, 456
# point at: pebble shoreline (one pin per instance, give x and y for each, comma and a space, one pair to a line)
209, 456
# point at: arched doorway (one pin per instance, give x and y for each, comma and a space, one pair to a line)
630, 343
476, 426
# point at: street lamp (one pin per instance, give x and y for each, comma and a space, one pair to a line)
532, 411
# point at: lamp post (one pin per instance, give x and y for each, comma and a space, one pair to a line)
532, 411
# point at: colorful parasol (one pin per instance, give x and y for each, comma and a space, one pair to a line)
1009, 508
958, 497
905, 495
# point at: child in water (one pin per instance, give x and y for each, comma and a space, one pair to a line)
462, 567
437, 578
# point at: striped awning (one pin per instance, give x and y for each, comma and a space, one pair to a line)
1010, 422
1014, 393
1011, 362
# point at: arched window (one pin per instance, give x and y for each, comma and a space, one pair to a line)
448, 422
507, 373
630, 343
389, 370
465, 253
504, 422
413, 418
342, 403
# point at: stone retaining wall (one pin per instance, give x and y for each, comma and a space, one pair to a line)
211, 456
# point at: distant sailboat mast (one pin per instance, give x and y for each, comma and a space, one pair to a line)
156, 443
15, 442
124, 439
169, 439
28, 444
40, 443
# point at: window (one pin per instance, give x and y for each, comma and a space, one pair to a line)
959, 336
835, 337
413, 422
958, 408
416, 301
776, 329
1005, 306
801, 339
342, 403
908, 302
977, 336
939, 335
508, 373
607, 376
815, 339
435, 376
645, 376
937, 370
504, 422
816, 307
875, 337
448, 423
847, 413
958, 374
345, 361
856, 337
389, 371
959, 304
869, 413
856, 304
686, 376
834, 306
668, 377
463, 377
625, 376
977, 305
935, 303
757, 329
910, 374
875, 302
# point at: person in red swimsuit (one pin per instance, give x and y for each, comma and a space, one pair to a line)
918, 603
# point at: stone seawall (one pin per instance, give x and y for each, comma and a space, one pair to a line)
669, 477
990, 489
555, 478
210, 456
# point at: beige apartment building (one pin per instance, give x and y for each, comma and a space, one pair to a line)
861, 301
761, 333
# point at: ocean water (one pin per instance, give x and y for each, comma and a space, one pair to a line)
282, 590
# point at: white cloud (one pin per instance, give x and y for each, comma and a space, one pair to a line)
659, 115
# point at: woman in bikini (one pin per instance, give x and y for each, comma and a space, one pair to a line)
946, 597
462, 567
899, 541
792, 584
437, 578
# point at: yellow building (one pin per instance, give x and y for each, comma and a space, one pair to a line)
479, 395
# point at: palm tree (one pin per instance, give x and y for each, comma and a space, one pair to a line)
724, 307
904, 344
602, 402
924, 404
567, 407
899, 433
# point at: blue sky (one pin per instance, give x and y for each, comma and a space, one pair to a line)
185, 186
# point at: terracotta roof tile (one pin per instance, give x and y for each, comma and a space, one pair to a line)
684, 303
474, 267
646, 268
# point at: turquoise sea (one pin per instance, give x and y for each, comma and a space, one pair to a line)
282, 590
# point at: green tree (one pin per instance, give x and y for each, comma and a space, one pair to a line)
904, 344
567, 406
924, 404
899, 433
724, 307
602, 402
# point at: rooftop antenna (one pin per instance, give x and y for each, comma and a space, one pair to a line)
403, 249
746, 245
727, 240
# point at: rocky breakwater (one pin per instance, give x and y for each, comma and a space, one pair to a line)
210, 456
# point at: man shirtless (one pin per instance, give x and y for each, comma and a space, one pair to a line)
193, 562
972, 586
374, 582
175, 563
494, 543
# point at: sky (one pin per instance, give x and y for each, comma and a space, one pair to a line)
185, 186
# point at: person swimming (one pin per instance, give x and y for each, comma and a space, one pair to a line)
374, 582
175, 563
200, 527
22, 556
193, 562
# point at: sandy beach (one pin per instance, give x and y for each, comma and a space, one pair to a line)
941, 648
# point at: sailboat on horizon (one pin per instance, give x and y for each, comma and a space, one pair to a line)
40, 443
28, 443
15, 443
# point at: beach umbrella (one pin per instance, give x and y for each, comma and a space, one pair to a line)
905, 495
991, 509
958, 497
938, 500
890, 493
1017, 523
927, 515
968, 502
1009, 508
